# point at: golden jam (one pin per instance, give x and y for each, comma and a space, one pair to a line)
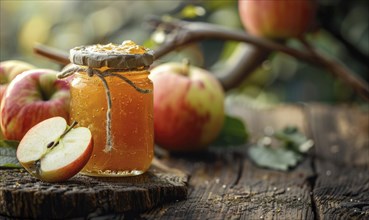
131, 119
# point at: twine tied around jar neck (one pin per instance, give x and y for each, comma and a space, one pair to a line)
70, 70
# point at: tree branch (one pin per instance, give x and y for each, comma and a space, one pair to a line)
243, 61
182, 33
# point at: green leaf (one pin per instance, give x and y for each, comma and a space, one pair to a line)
274, 158
233, 133
293, 139
8, 158
287, 153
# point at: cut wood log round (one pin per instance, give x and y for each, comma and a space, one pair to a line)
23, 196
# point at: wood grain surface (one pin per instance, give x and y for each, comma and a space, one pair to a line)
341, 190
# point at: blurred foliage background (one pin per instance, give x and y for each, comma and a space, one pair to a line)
341, 31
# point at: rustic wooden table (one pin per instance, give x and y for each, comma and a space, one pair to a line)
331, 183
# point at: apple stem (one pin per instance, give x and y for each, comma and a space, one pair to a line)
186, 67
53, 144
74, 123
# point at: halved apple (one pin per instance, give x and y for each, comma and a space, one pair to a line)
53, 151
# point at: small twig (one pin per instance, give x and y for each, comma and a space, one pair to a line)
54, 54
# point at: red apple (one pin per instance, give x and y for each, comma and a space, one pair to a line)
30, 98
53, 151
277, 19
9, 70
188, 107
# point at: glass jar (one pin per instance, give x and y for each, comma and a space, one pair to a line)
122, 130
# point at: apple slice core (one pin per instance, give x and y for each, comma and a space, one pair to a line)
34, 144
72, 146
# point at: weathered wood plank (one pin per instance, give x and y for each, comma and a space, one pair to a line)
341, 139
212, 173
23, 196
277, 195
227, 185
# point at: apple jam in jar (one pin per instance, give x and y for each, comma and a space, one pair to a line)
112, 95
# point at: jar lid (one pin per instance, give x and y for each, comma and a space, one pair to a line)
128, 55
